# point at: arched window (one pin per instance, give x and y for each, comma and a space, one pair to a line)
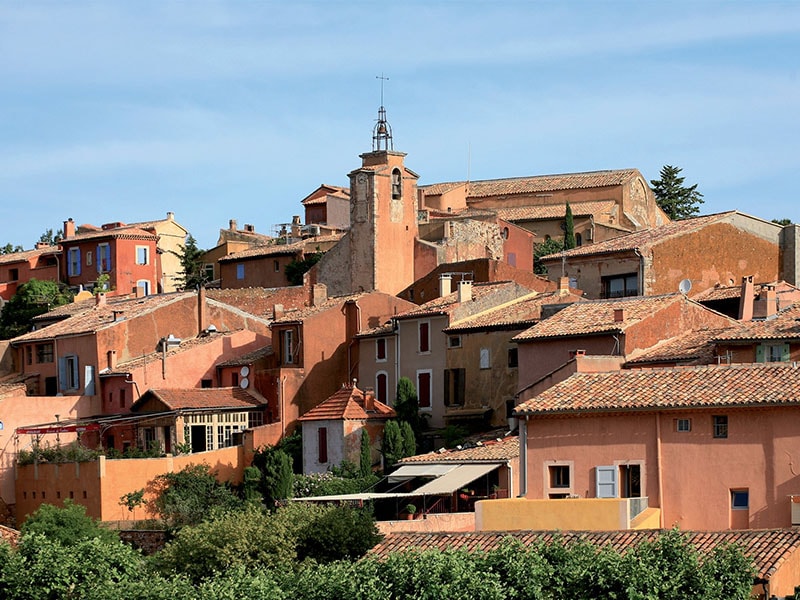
382, 387
397, 184
578, 239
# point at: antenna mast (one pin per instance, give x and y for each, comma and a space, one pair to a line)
382, 132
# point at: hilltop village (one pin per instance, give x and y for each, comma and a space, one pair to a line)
648, 380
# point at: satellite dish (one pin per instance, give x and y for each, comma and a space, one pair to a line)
244, 383
245, 371
685, 286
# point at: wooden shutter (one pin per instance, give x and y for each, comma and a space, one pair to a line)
605, 482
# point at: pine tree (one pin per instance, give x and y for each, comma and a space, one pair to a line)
678, 201
569, 229
192, 273
392, 445
409, 439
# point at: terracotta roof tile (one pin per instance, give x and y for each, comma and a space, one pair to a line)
126, 231
539, 183
785, 325
482, 294
302, 246
204, 398
768, 548
348, 403
516, 314
298, 314
27, 255
260, 301
589, 317
248, 358
696, 346
644, 238
484, 450
766, 384
555, 211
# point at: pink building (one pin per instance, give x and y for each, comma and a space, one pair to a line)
710, 447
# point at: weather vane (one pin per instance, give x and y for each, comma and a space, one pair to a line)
382, 133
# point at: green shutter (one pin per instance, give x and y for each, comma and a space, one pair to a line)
760, 353
785, 356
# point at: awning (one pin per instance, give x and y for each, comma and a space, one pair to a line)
412, 471
455, 479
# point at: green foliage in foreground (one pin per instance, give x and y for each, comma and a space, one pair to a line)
253, 554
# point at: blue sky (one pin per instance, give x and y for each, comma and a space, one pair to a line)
122, 111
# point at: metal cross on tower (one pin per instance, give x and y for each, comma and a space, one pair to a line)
382, 132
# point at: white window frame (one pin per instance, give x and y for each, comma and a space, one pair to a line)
378, 358
558, 491
287, 343
145, 255
104, 258
485, 360
377, 387
428, 408
683, 425
88, 258
74, 262
145, 284
454, 341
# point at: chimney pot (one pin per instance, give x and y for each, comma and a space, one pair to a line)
563, 284
100, 299
619, 315
369, 400
232, 224
319, 294
69, 228
445, 284
746, 299
112, 359
277, 312
464, 291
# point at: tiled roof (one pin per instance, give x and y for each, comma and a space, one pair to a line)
247, 359
335, 190
516, 314
644, 238
294, 315
304, 246
156, 223
204, 398
539, 183
446, 305
26, 255
784, 325
483, 450
348, 403
764, 384
95, 318
555, 211
694, 346
379, 331
590, 317
259, 301
117, 232
12, 536
768, 548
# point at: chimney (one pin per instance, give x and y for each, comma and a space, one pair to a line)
619, 315
577, 353
69, 228
369, 400
464, 291
277, 312
100, 299
112, 359
296, 226
249, 228
170, 216
319, 294
42, 245
766, 304
232, 224
201, 310
445, 284
563, 285
746, 299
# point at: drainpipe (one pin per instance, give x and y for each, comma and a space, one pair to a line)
523, 458
659, 472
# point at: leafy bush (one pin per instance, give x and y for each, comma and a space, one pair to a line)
72, 452
341, 533
67, 525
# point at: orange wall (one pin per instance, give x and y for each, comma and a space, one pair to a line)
258, 272
691, 476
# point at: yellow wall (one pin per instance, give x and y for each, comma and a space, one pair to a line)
571, 514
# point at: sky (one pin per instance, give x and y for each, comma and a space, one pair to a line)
125, 110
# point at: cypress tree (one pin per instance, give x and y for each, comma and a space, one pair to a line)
569, 229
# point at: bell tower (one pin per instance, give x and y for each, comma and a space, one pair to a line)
383, 216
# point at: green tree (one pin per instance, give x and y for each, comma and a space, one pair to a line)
188, 496
392, 444
365, 461
297, 268
67, 526
193, 273
48, 237
293, 446
569, 229
409, 439
406, 405
545, 248
277, 475
783, 221
341, 533
9, 248
675, 199
32, 299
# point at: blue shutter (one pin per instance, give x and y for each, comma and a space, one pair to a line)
605, 482
75, 373
62, 373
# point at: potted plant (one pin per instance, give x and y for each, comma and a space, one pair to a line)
409, 511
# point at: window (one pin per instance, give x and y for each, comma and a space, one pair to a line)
74, 262
382, 387
240, 271
454, 341
630, 478
322, 445
288, 347
255, 419
276, 266
209, 272
235, 379
142, 255
720, 426
772, 353
485, 363
103, 258
424, 389
44, 353
205, 383
683, 425
559, 476
740, 499
68, 376
424, 336
454, 386
380, 349
619, 286
559, 480
513, 360
578, 239
13, 274
88, 258
397, 185
144, 285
